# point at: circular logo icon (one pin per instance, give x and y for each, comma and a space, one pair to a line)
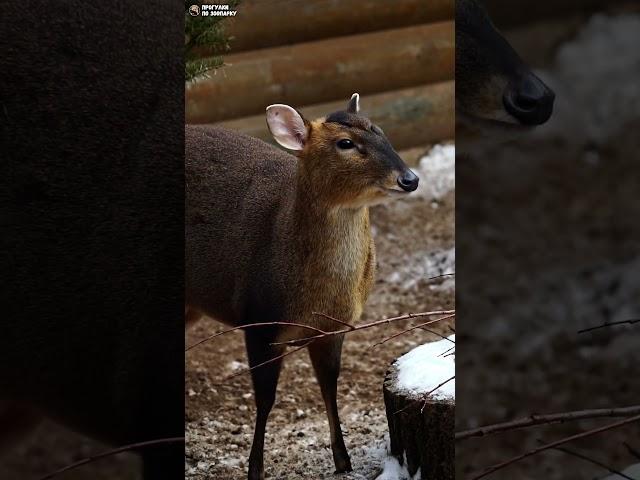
194, 10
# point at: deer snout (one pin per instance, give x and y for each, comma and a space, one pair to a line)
529, 100
408, 181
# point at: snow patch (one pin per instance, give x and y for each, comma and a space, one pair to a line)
422, 266
392, 470
234, 365
425, 367
437, 172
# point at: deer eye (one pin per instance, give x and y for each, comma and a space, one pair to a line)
345, 144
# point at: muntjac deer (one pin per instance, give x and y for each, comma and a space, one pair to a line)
274, 238
497, 95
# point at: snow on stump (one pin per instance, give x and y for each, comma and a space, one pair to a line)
420, 406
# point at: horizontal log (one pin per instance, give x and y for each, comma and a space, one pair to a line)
409, 117
261, 24
320, 71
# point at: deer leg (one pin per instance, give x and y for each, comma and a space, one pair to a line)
265, 381
325, 357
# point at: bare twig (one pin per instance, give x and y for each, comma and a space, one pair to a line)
250, 325
433, 332
594, 461
247, 370
447, 351
342, 322
557, 443
108, 453
426, 397
610, 324
321, 333
411, 329
534, 420
353, 328
442, 275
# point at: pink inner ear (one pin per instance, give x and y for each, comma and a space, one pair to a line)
286, 126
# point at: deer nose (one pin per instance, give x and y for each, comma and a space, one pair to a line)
529, 100
408, 181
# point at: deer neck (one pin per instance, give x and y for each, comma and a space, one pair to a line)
335, 239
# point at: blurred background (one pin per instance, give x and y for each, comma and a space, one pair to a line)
548, 244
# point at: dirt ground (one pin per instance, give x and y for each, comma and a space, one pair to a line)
414, 240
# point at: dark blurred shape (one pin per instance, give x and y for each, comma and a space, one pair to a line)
496, 92
512, 13
529, 100
91, 209
548, 244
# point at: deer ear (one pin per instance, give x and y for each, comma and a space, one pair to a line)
287, 126
354, 104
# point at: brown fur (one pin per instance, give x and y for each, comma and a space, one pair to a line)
273, 238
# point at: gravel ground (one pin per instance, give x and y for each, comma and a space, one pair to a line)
414, 239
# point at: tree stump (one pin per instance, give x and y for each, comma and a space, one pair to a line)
421, 428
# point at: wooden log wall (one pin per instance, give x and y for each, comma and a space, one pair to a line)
404, 115
262, 24
314, 54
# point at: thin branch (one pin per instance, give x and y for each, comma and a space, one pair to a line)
442, 275
447, 352
407, 330
372, 324
535, 419
426, 397
321, 333
108, 453
423, 398
557, 443
247, 370
594, 461
242, 327
610, 324
433, 332
342, 322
